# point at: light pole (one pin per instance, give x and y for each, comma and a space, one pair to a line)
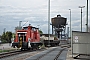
48, 22
81, 15
70, 23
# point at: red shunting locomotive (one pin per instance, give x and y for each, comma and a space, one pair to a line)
27, 38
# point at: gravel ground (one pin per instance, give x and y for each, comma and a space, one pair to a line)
21, 56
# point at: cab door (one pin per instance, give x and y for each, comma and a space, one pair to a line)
22, 38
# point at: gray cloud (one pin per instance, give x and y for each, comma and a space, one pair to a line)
36, 13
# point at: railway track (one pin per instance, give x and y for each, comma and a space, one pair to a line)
2, 55
50, 52
53, 54
44, 54
7, 54
59, 54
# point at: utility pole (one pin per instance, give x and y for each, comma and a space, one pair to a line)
4, 31
70, 23
48, 22
87, 18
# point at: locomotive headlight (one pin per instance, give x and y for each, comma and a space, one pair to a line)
29, 45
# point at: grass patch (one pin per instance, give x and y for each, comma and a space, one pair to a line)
4, 51
1, 51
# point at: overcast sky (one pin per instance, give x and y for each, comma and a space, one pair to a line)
36, 13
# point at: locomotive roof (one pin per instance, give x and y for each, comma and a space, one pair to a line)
25, 27
31, 27
36, 28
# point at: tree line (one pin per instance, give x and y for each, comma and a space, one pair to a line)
6, 36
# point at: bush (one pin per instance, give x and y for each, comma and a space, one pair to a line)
4, 41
